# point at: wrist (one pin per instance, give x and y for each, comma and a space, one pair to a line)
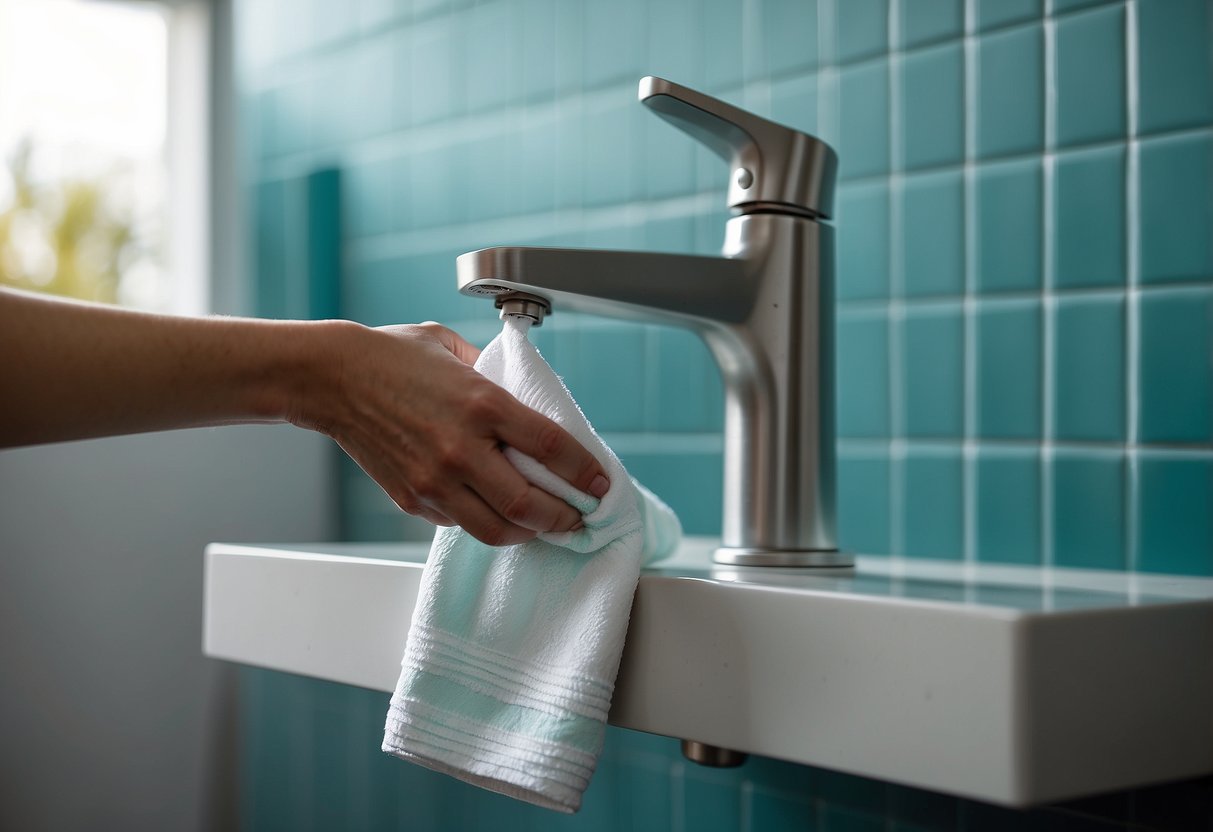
304, 382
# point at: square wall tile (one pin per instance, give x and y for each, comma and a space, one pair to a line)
863, 29
614, 41
539, 71
667, 156
493, 176
371, 76
1009, 370
1089, 219
993, 13
1010, 91
567, 51
789, 37
711, 798
1090, 81
863, 374
863, 242
570, 158
794, 102
436, 187
863, 146
374, 197
1089, 370
646, 784
684, 387
932, 358
1009, 227
609, 380
933, 485
1176, 209
492, 57
334, 109
1175, 51
927, 21
864, 510
535, 178
271, 238
720, 25
769, 810
436, 70
933, 233
672, 53
933, 107
1175, 367
841, 819
610, 176
1088, 529
1175, 514
294, 118
1008, 506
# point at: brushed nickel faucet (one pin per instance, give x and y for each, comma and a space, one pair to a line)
765, 308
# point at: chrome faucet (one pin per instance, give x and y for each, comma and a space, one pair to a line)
765, 308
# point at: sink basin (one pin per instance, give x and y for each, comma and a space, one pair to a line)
1014, 685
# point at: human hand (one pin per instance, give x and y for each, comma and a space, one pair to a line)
405, 403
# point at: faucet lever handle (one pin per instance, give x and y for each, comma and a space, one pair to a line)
775, 168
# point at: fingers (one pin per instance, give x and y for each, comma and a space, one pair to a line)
538, 436
453, 341
482, 522
509, 494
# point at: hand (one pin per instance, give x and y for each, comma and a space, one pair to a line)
409, 408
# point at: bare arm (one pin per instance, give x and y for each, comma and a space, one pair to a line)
403, 401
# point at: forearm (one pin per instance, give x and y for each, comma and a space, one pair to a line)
404, 401
74, 371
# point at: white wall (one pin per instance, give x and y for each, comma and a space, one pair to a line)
110, 717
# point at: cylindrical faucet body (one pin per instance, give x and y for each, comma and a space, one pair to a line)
778, 371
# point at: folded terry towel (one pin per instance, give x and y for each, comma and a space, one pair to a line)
512, 654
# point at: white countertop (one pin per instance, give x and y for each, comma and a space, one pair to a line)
1015, 685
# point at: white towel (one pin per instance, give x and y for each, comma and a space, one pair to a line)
512, 654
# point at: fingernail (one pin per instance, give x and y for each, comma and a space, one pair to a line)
600, 486
580, 525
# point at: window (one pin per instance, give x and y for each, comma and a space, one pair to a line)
97, 199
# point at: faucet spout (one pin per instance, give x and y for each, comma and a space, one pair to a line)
626, 284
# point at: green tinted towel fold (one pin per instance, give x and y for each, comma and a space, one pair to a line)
512, 654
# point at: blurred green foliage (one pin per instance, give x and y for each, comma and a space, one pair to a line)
64, 238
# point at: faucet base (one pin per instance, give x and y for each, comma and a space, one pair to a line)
819, 558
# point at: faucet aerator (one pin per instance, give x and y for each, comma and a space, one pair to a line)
522, 305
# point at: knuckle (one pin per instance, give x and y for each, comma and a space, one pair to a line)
494, 534
586, 472
485, 403
432, 329
450, 454
408, 503
517, 507
426, 486
549, 441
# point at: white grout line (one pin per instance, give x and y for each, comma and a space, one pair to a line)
1048, 304
895, 306
969, 303
1132, 478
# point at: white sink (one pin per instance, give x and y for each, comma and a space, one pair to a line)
1015, 685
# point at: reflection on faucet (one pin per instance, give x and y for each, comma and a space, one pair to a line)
765, 308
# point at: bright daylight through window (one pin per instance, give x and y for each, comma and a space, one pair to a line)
83, 180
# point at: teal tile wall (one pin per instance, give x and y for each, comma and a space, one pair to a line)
1025, 284
313, 764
